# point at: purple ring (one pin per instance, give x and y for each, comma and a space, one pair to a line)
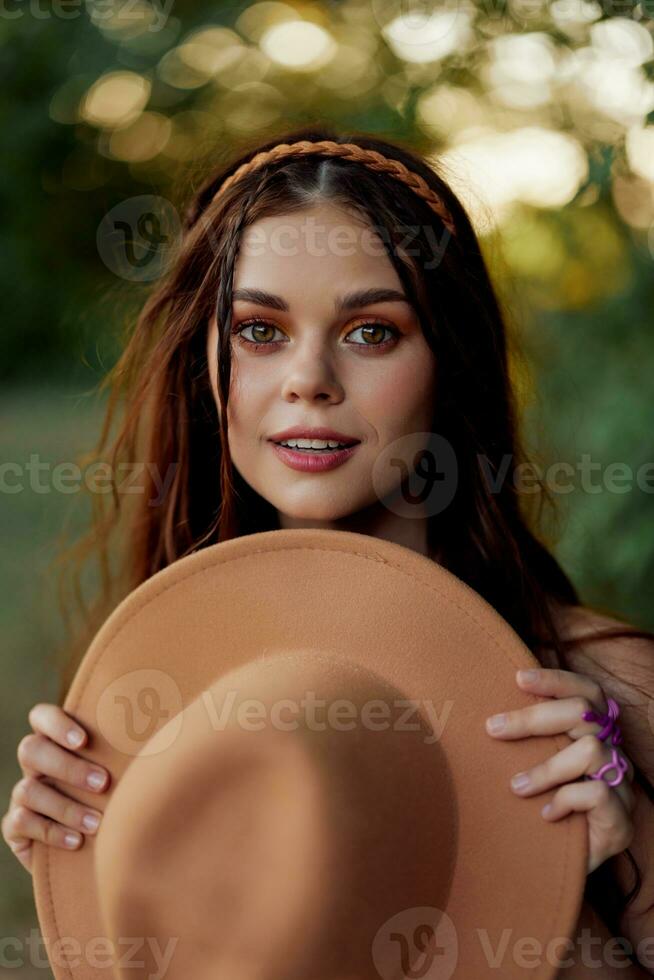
607, 721
610, 727
619, 763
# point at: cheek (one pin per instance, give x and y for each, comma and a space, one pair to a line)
401, 400
247, 404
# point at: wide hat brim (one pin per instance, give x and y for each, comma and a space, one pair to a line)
367, 601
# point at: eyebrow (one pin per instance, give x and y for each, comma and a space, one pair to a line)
353, 300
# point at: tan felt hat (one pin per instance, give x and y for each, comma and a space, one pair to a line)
303, 787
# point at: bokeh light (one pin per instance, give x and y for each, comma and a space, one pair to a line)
298, 44
531, 165
116, 99
427, 36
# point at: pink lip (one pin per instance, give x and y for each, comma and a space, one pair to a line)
313, 463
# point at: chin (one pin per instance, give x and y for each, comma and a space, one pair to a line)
314, 510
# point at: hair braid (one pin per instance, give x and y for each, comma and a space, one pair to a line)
348, 151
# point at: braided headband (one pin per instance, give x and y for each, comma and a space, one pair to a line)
348, 151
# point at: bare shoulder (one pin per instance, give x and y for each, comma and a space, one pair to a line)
605, 640
624, 667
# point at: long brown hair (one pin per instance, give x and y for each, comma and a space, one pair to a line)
170, 420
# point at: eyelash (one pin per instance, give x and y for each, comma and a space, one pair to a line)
253, 345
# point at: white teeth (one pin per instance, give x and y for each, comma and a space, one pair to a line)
312, 443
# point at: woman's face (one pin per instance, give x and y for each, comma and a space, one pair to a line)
360, 367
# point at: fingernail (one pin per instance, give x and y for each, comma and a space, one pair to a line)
527, 675
496, 723
547, 809
71, 840
74, 738
520, 781
90, 821
96, 780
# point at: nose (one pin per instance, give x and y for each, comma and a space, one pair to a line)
310, 376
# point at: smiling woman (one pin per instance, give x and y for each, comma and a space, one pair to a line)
329, 319
325, 345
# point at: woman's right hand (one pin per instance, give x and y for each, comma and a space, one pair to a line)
38, 811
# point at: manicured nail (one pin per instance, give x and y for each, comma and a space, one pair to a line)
74, 738
496, 724
71, 840
520, 781
90, 821
96, 780
547, 809
528, 675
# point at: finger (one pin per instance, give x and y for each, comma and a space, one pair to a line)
626, 794
545, 718
22, 847
555, 683
39, 755
21, 826
23, 852
49, 802
53, 721
623, 788
579, 759
610, 828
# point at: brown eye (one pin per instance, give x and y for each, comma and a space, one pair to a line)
373, 334
261, 332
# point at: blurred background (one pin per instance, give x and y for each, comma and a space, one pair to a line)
544, 113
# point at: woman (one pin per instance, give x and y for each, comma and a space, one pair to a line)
344, 291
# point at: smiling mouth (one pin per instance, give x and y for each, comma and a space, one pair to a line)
315, 450
311, 460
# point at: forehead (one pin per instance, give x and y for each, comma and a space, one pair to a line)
321, 247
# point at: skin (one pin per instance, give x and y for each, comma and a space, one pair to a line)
608, 808
325, 371
321, 371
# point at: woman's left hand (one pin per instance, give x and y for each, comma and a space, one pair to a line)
609, 808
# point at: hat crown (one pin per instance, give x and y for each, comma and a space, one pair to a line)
304, 831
